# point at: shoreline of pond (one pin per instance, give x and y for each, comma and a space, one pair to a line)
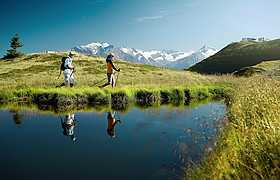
117, 98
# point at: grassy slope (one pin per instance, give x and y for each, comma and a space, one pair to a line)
238, 55
41, 70
271, 67
35, 74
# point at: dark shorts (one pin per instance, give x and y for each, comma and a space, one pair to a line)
111, 115
111, 78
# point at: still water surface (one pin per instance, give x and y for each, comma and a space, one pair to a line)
140, 144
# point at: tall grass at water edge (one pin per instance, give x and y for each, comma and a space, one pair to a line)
122, 95
249, 148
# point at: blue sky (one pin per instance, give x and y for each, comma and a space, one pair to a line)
144, 24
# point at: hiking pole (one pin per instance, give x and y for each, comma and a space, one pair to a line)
59, 75
98, 82
118, 115
117, 79
60, 119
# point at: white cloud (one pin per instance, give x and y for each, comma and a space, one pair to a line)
146, 18
166, 11
193, 4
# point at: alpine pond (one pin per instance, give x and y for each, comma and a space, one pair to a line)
139, 144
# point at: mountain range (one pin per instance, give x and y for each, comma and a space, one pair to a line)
165, 58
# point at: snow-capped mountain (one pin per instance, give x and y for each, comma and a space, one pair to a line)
164, 58
196, 57
186, 62
208, 51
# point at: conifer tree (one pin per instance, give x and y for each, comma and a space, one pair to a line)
14, 52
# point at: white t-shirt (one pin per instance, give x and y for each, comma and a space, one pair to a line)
69, 119
68, 61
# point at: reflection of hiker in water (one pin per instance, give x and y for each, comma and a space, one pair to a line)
112, 123
68, 125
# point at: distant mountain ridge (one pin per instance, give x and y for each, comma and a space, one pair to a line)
238, 55
165, 58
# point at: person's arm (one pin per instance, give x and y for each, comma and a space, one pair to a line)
118, 121
69, 67
113, 126
111, 62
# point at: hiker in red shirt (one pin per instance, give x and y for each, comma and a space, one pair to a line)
110, 71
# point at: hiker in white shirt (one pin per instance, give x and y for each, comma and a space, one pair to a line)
68, 72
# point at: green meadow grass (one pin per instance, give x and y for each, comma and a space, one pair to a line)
149, 96
249, 146
30, 75
42, 70
270, 68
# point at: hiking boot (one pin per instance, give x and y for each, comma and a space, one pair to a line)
100, 87
58, 86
